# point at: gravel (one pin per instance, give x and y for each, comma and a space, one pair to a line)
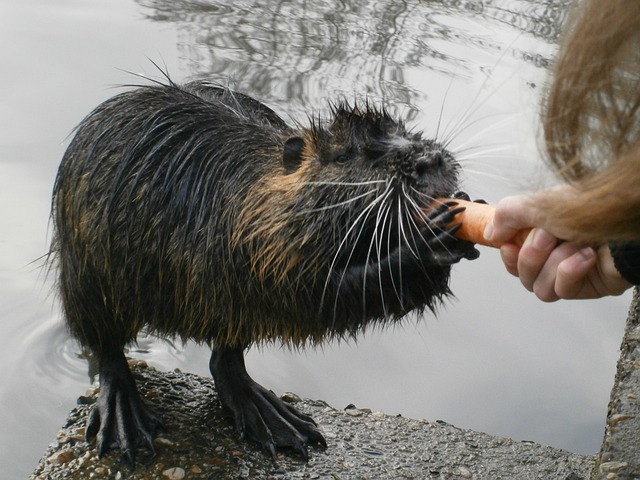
199, 442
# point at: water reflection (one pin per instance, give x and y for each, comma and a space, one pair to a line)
297, 51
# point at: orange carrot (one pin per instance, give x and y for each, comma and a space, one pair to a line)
474, 218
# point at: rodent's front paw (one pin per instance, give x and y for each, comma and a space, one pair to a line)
441, 246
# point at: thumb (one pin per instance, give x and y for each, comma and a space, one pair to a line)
512, 214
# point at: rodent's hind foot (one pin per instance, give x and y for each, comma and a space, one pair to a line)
120, 419
263, 417
259, 414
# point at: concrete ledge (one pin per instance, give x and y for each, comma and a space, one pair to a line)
200, 443
619, 456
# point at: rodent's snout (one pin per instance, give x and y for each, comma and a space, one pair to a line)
424, 165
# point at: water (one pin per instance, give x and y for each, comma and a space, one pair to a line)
495, 359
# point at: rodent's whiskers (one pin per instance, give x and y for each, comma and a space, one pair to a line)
459, 126
360, 223
471, 153
380, 200
420, 214
410, 245
345, 184
429, 198
377, 239
336, 205
480, 173
398, 293
481, 133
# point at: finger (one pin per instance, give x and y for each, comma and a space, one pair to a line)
545, 284
533, 255
509, 254
572, 279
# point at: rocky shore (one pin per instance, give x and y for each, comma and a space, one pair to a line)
199, 441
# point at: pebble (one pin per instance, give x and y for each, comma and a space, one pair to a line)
163, 441
175, 473
612, 466
78, 434
464, 472
618, 417
290, 397
92, 391
63, 456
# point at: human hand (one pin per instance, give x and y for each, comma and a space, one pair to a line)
545, 265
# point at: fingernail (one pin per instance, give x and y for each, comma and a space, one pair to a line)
587, 253
488, 231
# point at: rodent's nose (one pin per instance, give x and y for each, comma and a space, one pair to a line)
427, 163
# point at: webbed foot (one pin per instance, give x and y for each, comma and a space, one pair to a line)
120, 419
259, 414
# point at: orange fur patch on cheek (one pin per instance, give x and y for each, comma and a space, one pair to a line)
265, 219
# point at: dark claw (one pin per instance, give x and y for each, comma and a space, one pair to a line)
130, 456
443, 247
453, 230
93, 425
301, 449
272, 449
300, 415
442, 215
439, 209
464, 196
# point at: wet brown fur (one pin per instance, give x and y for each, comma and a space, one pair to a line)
173, 211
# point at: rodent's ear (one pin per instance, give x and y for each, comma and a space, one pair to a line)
292, 155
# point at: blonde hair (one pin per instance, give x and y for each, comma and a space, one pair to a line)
591, 121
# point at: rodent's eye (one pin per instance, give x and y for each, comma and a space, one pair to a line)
341, 158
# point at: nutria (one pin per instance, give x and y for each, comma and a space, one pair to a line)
196, 212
